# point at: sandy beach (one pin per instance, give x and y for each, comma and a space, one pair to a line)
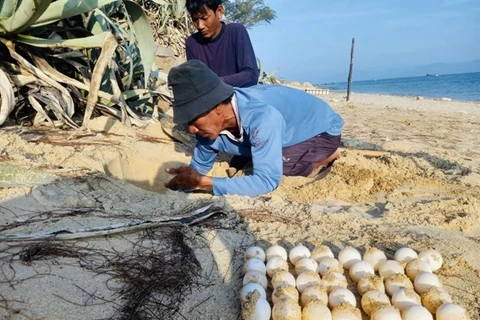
424, 192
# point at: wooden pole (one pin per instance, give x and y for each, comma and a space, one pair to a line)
351, 70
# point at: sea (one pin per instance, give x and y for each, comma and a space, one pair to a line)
463, 86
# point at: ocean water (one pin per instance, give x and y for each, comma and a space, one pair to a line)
463, 86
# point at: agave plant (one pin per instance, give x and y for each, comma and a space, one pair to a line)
59, 56
171, 23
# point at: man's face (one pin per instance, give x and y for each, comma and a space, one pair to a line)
209, 125
208, 23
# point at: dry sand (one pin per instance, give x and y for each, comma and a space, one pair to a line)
424, 194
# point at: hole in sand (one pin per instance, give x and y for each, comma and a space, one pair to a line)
140, 171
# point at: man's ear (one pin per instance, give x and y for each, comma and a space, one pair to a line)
218, 109
219, 12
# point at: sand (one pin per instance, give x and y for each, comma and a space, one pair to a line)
425, 193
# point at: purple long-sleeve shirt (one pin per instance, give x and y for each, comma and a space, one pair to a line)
230, 55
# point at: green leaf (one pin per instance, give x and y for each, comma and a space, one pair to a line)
97, 23
7, 8
180, 6
79, 43
144, 36
24, 16
62, 9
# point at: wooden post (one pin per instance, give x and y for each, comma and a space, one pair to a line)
351, 70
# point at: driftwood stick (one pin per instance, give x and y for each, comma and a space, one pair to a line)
126, 227
368, 153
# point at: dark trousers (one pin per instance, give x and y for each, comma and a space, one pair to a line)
299, 159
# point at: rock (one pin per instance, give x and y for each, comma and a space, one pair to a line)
419, 98
308, 85
446, 99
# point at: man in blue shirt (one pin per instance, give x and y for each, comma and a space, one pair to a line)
286, 131
224, 48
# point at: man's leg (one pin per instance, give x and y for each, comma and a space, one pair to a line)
311, 156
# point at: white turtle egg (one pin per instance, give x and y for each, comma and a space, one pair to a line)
416, 266
251, 287
346, 311
314, 293
254, 264
276, 264
360, 269
316, 310
329, 264
390, 267
397, 281
405, 298
348, 256
451, 311
283, 278
286, 309
255, 277
416, 312
321, 252
284, 292
298, 253
372, 300
386, 313
256, 308
306, 264
370, 282
434, 298
375, 257
254, 252
276, 251
333, 280
426, 280
405, 255
307, 279
433, 258
339, 296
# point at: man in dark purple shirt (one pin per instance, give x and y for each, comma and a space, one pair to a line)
225, 48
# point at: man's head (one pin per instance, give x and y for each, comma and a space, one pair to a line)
198, 97
206, 16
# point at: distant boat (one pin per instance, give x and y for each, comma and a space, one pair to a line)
432, 74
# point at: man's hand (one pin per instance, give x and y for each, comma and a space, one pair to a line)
187, 179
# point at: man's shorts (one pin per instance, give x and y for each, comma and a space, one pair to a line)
299, 159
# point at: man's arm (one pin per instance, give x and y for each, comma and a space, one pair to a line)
246, 61
266, 140
203, 158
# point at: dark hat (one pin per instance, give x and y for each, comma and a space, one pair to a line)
196, 90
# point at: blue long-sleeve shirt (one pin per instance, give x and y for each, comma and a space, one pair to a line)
230, 55
272, 117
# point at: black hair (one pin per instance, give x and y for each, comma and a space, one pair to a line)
198, 6
228, 100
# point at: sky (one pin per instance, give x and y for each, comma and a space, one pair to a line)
311, 39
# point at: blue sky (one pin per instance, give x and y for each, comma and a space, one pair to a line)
310, 39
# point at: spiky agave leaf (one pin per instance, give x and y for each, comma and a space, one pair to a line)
27, 12
62, 9
95, 41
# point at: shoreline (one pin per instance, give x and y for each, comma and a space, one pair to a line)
400, 95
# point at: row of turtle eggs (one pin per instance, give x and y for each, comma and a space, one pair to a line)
321, 260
